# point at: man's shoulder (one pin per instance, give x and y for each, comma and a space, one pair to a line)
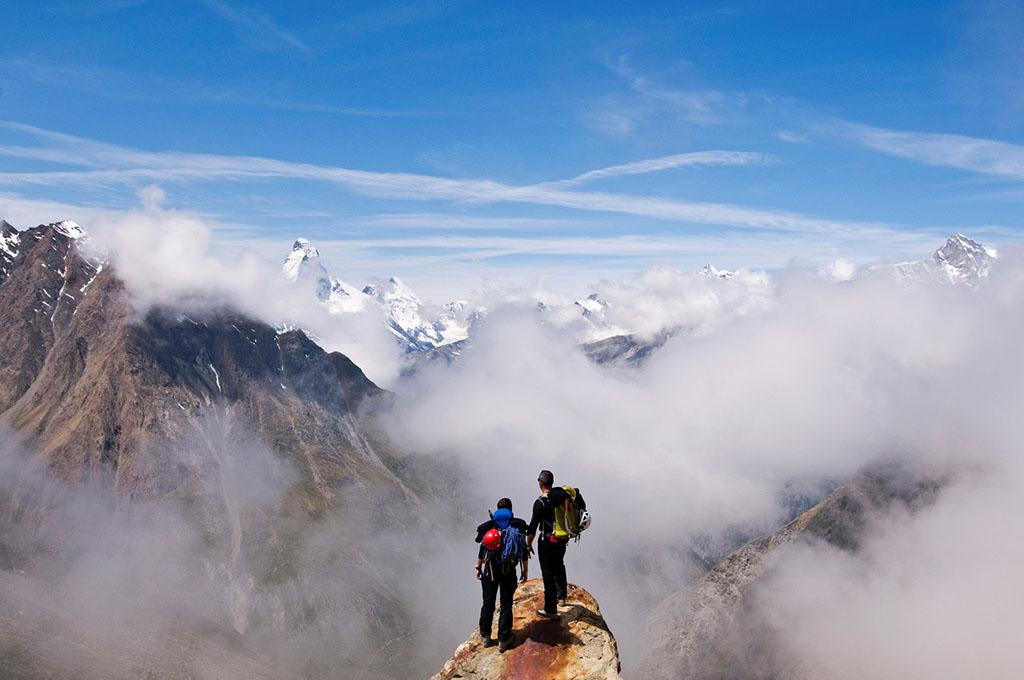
483, 529
519, 523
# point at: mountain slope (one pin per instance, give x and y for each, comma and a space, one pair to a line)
92, 372
254, 439
711, 630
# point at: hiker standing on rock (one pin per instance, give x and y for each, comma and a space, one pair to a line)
559, 514
503, 545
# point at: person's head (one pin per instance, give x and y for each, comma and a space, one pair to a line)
505, 503
546, 480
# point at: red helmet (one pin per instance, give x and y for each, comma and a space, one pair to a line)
492, 539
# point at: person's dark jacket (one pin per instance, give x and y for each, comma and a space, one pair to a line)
544, 511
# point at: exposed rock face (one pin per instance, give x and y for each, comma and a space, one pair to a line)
577, 647
625, 350
710, 631
93, 386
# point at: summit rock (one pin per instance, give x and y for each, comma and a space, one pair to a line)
579, 646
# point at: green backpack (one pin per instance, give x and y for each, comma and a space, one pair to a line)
567, 516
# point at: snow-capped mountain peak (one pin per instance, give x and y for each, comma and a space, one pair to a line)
303, 266
303, 258
404, 312
401, 307
592, 304
712, 272
963, 259
70, 229
960, 260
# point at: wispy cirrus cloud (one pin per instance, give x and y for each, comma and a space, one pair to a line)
678, 160
648, 99
256, 24
448, 221
703, 106
973, 154
110, 165
138, 86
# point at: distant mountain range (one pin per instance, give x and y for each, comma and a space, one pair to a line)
406, 316
960, 261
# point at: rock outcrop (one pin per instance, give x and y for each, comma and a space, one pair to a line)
577, 647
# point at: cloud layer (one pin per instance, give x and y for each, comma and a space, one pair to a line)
795, 384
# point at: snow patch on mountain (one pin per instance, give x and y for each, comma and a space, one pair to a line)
10, 239
593, 309
404, 315
455, 321
72, 230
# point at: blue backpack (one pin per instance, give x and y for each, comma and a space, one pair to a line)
513, 541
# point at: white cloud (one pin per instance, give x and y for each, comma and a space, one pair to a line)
125, 166
671, 162
983, 156
255, 23
930, 595
840, 269
166, 257
701, 106
25, 212
810, 384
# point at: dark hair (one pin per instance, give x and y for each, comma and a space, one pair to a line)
546, 478
504, 503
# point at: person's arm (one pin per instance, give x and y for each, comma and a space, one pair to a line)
524, 563
479, 562
531, 530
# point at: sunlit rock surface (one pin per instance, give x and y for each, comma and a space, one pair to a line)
577, 647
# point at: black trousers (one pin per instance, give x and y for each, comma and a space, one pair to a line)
552, 568
505, 584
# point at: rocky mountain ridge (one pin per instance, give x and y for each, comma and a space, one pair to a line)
255, 438
712, 630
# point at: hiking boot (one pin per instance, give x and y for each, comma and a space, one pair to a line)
562, 602
489, 641
507, 643
546, 615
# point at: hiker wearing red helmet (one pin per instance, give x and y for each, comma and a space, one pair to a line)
502, 542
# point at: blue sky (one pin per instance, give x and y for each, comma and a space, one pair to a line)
456, 142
